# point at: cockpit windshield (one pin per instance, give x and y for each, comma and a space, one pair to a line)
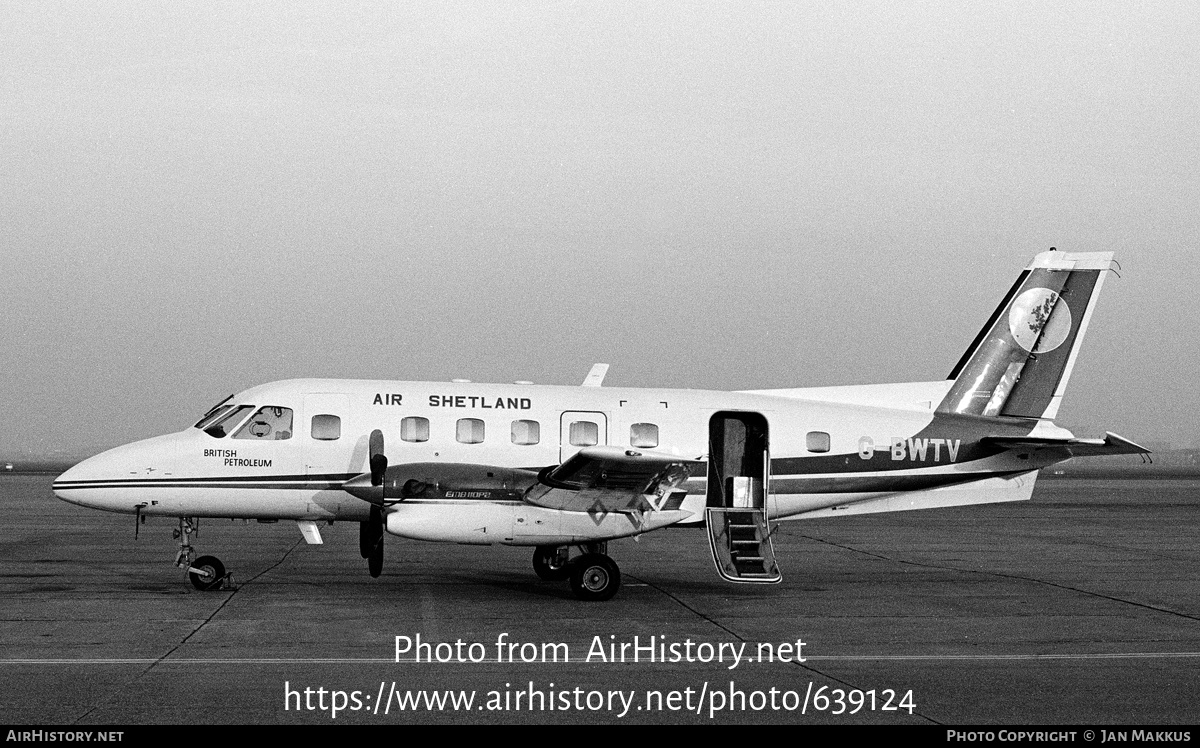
214, 413
224, 421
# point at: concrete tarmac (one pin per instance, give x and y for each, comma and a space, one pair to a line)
1079, 607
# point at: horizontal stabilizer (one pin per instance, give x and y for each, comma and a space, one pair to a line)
1111, 444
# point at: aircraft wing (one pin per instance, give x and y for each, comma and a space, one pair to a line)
600, 480
1111, 444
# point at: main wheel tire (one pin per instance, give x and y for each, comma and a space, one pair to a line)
209, 574
548, 564
594, 576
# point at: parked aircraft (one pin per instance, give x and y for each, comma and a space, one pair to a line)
560, 468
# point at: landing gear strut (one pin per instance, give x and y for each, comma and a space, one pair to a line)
593, 575
205, 572
550, 562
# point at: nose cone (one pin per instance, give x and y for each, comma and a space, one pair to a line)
110, 479
79, 484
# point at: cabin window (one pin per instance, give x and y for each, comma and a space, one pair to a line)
326, 428
270, 423
817, 441
584, 434
414, 429
469, 431
526, 432
225, 423
643, 435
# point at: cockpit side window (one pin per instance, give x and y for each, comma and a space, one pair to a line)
214, 412
270, 423
227, 420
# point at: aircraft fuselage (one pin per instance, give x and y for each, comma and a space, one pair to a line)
823, 454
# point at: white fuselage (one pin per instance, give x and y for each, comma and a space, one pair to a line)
832, 450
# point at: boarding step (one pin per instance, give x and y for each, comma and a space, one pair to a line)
741, 545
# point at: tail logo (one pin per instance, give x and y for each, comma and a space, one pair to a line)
1039, 320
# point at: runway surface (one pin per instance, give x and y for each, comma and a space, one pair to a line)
1081, 606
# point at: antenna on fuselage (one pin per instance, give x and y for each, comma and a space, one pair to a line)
595, 377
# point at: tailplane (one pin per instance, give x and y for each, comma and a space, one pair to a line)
1021, 360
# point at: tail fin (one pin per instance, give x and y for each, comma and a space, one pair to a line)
1021, 360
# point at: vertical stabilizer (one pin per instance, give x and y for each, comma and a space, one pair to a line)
1021, 360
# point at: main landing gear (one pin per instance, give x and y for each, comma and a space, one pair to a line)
592, 574
205, 572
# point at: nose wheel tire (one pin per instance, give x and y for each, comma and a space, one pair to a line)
594, 576
207, 573
550, 563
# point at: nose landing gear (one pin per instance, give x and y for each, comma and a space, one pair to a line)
205, 572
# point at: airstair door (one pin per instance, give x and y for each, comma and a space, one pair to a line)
739, 474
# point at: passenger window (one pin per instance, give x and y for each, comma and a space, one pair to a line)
326, 428
470, 430
268, 424
414, 429
526, 432
584, 434
227, 422
643, 435
817, 441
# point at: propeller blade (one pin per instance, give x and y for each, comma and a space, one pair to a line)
379, 465
375, 554
378, 461
366, 539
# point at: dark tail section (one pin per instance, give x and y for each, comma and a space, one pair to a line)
1021, 360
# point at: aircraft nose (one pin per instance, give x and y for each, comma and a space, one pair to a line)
107, 480
74, 485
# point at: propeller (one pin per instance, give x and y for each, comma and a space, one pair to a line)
370, 533
369, 486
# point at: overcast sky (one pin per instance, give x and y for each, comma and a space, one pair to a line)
199, 197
